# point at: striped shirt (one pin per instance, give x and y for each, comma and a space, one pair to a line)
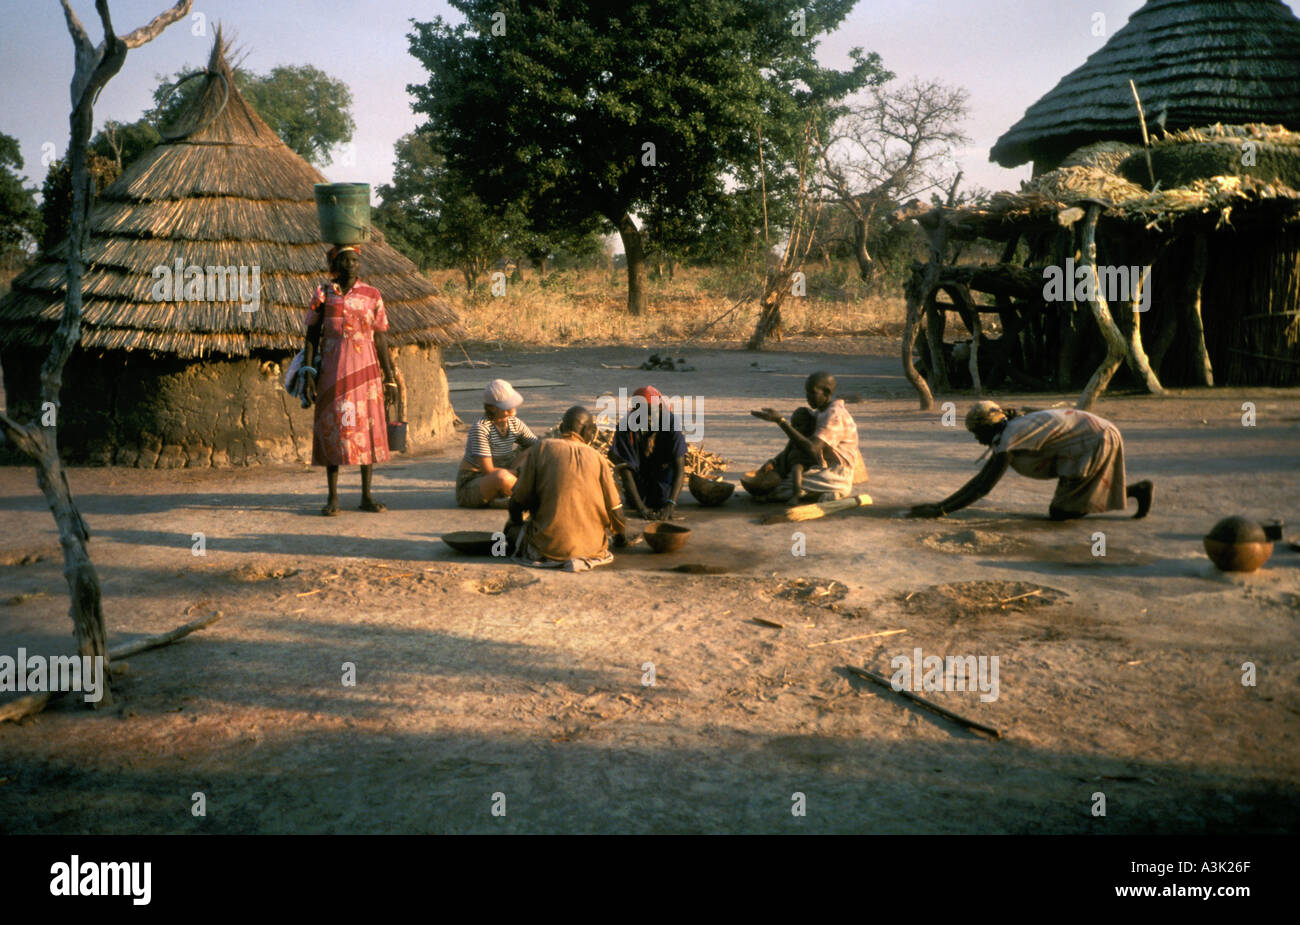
486, 440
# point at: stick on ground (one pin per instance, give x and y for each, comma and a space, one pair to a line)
928, 704
831, 642
34, 703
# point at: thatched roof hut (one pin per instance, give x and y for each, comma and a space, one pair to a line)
1198, 62
1216, 249
221, 193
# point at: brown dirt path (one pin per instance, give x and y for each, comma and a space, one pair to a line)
1121, 676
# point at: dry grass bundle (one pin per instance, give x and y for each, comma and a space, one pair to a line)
1182, 158
1251, 131
1103, 155
1071, 184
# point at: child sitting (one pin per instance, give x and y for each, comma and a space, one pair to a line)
789, 464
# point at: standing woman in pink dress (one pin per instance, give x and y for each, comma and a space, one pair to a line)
345, 333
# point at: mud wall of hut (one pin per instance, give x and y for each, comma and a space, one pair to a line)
129, 409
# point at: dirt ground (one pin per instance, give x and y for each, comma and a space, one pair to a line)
481, 685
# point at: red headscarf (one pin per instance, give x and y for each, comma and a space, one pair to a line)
649, 393
338, 249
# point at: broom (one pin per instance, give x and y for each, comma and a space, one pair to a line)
813, 511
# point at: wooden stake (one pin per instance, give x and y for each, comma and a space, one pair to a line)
1146, 139
929, 705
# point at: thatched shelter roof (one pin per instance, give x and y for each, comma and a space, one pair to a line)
229, 193
1248, 197
1199, 62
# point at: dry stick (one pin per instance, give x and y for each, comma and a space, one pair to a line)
1146, 139
762, 621
35, 703
1019, 597
930, 705
743, 299
163, 639
831, 642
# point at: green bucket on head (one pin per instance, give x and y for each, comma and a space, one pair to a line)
344, 212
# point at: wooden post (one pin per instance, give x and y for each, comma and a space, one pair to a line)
910, 330
935, 322
1137, 357
975, 353
1116, 348
936, 234
1196, 272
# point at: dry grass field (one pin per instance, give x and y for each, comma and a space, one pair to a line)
697, 305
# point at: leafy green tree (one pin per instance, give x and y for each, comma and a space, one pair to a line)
310, 110
20, 220
430, 214
593, 111
112, 149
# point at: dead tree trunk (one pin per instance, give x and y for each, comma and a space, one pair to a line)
94, 67
1115, 343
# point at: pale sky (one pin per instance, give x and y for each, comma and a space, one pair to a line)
1006, 53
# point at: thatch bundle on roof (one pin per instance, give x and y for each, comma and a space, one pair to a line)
154, 372
1193, 61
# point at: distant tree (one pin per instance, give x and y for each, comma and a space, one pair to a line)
310, 110
592, 111
114, 147
896, 146
431, 215
20, 219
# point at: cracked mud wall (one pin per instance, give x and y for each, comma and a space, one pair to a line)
128, 409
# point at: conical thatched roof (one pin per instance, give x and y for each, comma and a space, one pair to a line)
1200, 62
230, 193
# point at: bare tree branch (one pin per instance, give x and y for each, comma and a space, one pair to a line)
94, 67
160, 22
896, 146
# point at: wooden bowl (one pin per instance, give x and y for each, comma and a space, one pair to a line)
470, 542
760, 483
1237, 557
710, 492
666, 537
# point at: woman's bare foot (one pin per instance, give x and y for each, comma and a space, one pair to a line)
331, 507
371, 506
1143, 491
